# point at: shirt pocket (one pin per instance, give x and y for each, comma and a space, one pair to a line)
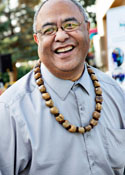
115, 145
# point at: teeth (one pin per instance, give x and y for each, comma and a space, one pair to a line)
64, 49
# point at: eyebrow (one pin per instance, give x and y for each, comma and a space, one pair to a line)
65, 20
48, 24
70, 19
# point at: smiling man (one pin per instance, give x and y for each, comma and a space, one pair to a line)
60, 38
64, 117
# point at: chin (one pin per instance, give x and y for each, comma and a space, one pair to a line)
66, 68
70, 65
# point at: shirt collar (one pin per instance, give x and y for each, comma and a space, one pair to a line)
85, 80
63, 87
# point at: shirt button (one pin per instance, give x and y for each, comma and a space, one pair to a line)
82, 108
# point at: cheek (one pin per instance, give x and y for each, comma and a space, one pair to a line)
40, 49
45, 50
46, 43
82, 38
85, 43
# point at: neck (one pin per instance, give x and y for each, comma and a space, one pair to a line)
77, 77
73, 75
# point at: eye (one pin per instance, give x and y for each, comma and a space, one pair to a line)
70, 26
49, 30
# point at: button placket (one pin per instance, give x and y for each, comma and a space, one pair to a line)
80, 97
82, 108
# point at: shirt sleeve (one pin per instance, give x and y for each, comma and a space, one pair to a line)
14, 150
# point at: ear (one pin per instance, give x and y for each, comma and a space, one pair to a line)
88, 26
35, 38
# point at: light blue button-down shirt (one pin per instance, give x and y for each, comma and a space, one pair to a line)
33, 143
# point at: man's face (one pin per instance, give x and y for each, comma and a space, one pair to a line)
62, 52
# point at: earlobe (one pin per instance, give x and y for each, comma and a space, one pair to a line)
36, 38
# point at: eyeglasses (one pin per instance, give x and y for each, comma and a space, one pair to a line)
67, 26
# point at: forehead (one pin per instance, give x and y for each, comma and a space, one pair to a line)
54, 10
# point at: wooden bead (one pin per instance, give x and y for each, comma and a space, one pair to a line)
93, 122
98, 91
81, 130
39, 81
37, 69
66, 124
60, 118
96, 84
93, 77
37, 75
98, 107
96, 115
90, 71
42, 89
88, 128
46, 96
54, 110
49, 103
99, 99
72, 129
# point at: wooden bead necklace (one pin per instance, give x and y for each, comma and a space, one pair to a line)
59, 117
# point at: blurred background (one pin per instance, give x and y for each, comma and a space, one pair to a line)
18, 51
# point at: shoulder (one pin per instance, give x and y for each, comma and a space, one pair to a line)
104, 78
22, 87
109, 85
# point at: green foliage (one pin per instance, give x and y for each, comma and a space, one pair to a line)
4, 77
87, 3
16, 34
21, 71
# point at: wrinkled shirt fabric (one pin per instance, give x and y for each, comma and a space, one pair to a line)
33, 143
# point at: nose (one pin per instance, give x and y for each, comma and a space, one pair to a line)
61, 35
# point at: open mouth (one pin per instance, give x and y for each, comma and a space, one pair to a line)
64, 50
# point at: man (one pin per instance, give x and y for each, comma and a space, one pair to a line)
64, 117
